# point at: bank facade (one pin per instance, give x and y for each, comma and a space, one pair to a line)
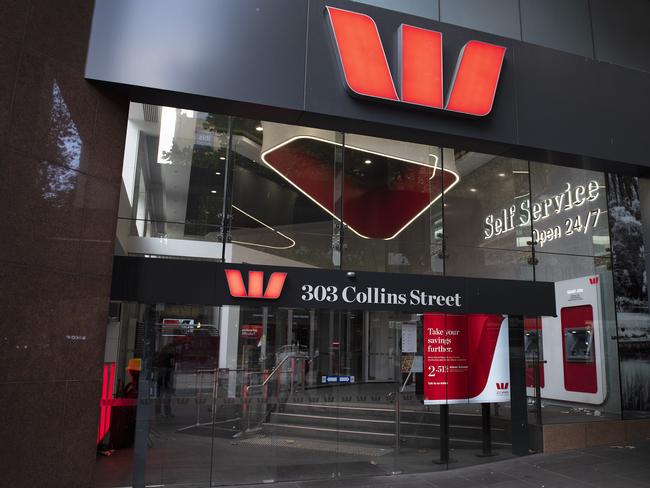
333, 240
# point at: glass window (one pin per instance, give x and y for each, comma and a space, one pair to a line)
487, 217
284, 204
392, 205
325, 393
571, 236
172, 201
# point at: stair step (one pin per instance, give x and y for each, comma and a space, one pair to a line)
363, 437
386, 413
385, 426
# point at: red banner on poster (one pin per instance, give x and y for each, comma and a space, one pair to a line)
466, 359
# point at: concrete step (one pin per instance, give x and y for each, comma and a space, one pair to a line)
378, 412
370, 438
384, 426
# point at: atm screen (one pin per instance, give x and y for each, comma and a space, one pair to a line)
579, 345
532, 346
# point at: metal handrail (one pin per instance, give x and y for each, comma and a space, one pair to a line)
274, 372
271, 374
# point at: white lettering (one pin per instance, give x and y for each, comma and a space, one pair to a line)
489, 228
571, 197
592, 190
345, 296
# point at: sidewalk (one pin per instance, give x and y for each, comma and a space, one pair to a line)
611, 467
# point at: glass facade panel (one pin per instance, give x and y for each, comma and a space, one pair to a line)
172, 201
487, 217
284, 204
256, 394
392, 205
572, 249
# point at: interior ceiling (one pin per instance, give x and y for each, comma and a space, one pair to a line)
175, 178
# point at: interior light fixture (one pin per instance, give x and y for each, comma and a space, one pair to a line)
218, 173
502, 175
381, 154
223, 158
368, 161
472, 190
259, 128
292, 242
213, 191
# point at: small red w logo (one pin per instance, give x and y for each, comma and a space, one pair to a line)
593, 280
502, 386
255, 284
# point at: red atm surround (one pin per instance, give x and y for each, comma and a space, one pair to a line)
579, 364
533, 325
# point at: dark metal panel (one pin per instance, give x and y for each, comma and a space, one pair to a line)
621, 32
327, 95
164, 280
248, 50
421, 8
500, 17
581, 106
629, 113
564, 103
559, 24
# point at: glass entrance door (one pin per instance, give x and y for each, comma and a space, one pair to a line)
244, 395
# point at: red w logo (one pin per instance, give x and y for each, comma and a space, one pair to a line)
255, 284
420, 66
593, 280
502, 386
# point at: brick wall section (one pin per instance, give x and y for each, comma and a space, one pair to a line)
62, 144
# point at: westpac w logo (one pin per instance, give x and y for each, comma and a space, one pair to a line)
366, 70
237, 287
502, 386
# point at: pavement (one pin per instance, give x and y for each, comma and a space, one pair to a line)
624, 465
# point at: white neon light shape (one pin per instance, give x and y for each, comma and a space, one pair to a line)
288, 141
293, 243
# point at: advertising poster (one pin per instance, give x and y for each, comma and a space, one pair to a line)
466, 359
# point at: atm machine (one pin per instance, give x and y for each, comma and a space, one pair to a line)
572, 365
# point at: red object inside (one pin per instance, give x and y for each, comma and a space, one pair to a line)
579, 375
379, 200
105, 408
534, 324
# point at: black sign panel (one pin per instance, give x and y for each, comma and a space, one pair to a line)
179, 281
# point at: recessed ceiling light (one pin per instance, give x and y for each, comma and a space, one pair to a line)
223, 158
259, 128
213, 191
368, 161
218, 173
472, 189
502, 175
